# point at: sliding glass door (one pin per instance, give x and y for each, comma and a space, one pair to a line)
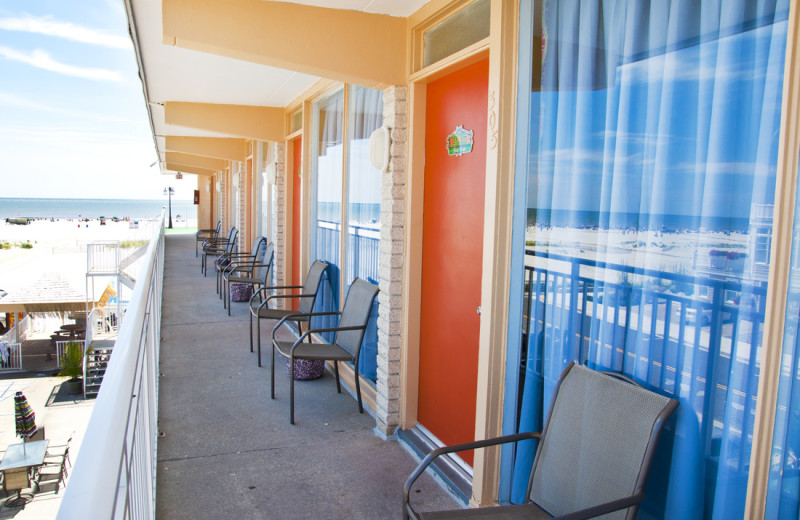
341, 168
649, 154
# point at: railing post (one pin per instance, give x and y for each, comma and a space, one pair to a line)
573, 315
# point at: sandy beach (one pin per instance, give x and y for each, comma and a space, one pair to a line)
58, 247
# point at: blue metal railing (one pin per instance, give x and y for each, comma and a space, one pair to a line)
363, 247
683, 335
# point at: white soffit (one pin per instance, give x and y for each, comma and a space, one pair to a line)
175, 74
403, 8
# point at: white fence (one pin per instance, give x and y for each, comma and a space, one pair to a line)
104, 321
116, 478
61, 346
10, 356
24, 328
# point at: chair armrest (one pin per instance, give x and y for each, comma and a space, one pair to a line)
241, 266
266, 289
429, 458
297, 315
281, 296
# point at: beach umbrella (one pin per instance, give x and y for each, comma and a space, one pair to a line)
24, 416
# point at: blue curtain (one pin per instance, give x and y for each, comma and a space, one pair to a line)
783, 494
652, 158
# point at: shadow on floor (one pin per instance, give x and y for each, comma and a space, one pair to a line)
60, 396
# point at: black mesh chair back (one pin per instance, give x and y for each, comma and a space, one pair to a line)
262, 271
258, 249
356, 311
231, 233
587, 455
311, 286
232, 239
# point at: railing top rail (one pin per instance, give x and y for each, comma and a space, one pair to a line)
724, 283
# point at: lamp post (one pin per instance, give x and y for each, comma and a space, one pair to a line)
169, 191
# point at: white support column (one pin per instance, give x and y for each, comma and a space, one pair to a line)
390, 263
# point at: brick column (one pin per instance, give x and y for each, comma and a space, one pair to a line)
390, 263
223, 203
244, 241
279, 156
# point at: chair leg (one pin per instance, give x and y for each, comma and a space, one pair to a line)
258, 341
250, 312
272, 373
291, 390
336, 369
228, 296
358, 391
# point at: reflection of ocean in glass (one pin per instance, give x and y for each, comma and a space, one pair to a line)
94, 208
359, 213
652, 145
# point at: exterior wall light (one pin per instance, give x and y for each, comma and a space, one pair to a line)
380, 144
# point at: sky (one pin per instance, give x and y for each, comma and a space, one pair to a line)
73, 121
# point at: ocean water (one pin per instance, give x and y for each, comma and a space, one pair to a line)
94, 208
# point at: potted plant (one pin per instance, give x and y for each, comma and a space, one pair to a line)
72, 366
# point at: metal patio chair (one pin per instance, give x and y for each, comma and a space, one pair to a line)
53, 472
240, 260
218, 247
206, 234
259, 302
594, 452
346, 345
256, 275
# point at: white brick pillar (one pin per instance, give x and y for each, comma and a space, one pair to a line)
278, 154
223, 203
390, 263
244, 241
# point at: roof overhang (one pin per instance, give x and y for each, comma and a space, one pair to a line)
216, 70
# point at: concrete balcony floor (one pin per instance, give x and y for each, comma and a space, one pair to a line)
228, 450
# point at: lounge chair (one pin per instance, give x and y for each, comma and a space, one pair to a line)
346, 345
255, 275
593, 456
218, 247
206, 234
259, 302
240, 260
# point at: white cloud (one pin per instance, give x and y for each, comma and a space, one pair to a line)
65, 30
11, 100
43, 60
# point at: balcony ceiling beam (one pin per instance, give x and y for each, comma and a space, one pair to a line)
345, 45
199, 161
227, 148
247, 121
183, 168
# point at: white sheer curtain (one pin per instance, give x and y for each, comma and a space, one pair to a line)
653, 148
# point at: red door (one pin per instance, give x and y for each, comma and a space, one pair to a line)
452, 256
297, 192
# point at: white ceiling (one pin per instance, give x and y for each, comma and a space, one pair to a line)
175, 74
